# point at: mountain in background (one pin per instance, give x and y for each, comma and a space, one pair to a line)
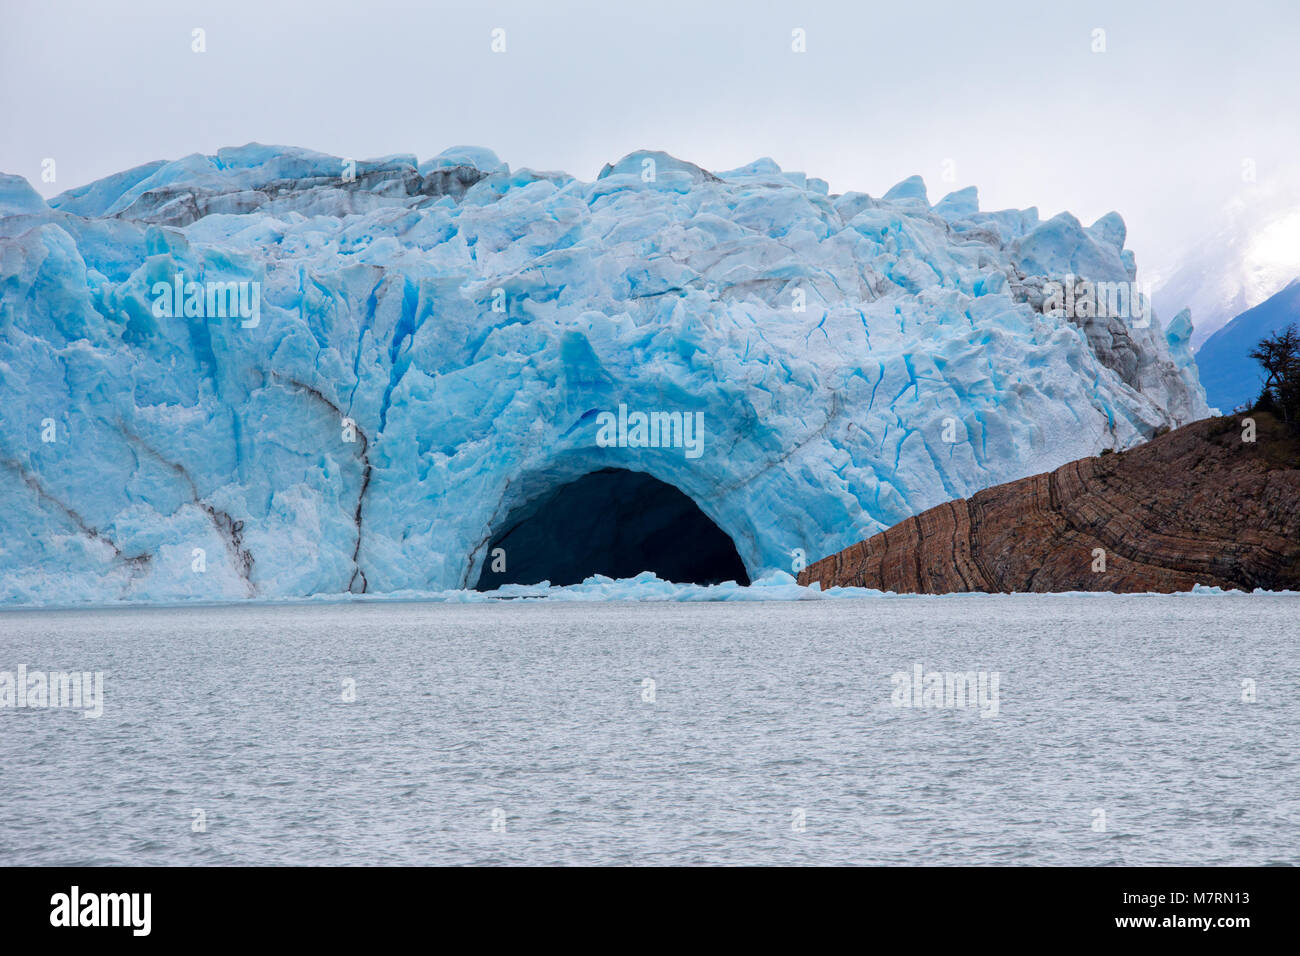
1251, 253
1230, 376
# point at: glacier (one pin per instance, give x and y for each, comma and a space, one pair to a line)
435, 342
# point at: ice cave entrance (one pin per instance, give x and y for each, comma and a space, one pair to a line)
613, 522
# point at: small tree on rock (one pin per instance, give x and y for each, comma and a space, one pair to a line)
1279, 355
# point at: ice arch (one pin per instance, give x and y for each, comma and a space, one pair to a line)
613, 522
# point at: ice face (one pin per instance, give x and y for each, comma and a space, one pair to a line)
275, 373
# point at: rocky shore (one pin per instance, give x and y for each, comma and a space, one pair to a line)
1197, 505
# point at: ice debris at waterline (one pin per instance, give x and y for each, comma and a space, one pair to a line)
370, 370
648, 588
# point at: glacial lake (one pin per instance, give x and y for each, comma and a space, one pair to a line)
1129, 730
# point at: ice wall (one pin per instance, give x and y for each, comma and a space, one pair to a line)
435, 344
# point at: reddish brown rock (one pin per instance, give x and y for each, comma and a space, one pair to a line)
1195, 506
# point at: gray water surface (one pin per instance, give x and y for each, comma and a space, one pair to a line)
519, 732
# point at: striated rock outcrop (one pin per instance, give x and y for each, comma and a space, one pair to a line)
1198, 505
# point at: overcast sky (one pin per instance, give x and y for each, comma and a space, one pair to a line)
1011, 93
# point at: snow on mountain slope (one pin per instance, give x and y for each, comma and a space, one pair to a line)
426, 348
1252, 253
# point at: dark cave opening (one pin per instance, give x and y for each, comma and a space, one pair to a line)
617, 523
